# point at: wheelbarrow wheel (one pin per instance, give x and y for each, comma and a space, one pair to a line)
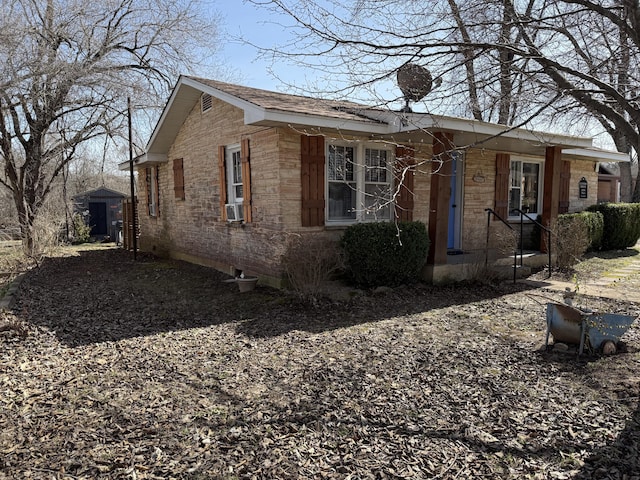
609, 348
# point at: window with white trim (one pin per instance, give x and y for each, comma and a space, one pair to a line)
525, 187
359, 183
234, 175
151, 185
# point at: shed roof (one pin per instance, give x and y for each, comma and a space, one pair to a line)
102, 192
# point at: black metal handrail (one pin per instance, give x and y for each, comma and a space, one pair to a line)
486, 250
523, 214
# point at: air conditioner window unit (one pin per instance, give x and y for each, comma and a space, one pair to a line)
234, 212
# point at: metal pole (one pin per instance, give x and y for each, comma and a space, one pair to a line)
521, 235
486, 248
549, 249
133, 191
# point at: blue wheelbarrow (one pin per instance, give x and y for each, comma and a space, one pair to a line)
571, 325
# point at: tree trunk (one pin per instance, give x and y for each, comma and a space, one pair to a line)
27, 230
626, 182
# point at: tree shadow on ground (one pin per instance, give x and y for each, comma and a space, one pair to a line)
104, 295
611, 254
618, 460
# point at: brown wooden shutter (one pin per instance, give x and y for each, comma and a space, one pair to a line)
223, 183
178, 178
312, 177
503, 167
404, 196
156, 179
565, 183
246, 179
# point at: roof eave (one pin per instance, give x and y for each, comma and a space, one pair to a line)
263, 117
145, 160
596, 155
489, 130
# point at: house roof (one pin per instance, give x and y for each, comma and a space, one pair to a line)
266, 108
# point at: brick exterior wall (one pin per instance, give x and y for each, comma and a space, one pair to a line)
192, 229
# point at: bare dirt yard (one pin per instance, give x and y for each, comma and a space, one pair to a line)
154, 369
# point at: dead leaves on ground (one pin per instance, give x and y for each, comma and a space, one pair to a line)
408, 385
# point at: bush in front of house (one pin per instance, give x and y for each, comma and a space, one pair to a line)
575, 234
384, 253
590, 223
621, 224
309, 261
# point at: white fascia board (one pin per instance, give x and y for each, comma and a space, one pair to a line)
256, 115
219, 94
259, 116
144, 160
413, 121
597, 155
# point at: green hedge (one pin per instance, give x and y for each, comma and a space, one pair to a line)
385, 253
591, 222
621, 224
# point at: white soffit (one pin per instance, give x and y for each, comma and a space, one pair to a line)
596, 155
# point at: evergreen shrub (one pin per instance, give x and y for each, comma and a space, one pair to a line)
385, 253
621, 227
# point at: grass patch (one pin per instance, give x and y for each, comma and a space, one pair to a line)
598, 264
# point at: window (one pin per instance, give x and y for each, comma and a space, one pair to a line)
234, 175
377, 187
342, 185
151, 186
358, 184
234, 164
524, 187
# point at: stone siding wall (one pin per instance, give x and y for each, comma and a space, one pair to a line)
192, 228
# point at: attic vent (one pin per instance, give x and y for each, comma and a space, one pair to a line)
205, 102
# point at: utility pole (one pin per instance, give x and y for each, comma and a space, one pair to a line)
133, 191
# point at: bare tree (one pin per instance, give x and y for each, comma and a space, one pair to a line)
500, 60
66, 69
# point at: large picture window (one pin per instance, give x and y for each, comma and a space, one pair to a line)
525, 187
358, 184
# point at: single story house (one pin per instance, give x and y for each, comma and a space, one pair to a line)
230, 173
101, 209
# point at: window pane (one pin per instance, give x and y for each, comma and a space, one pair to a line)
530, 175
377, 202
234, 175
514, 202
516, 174
237, 168
375, 165
342, 201
340, 165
